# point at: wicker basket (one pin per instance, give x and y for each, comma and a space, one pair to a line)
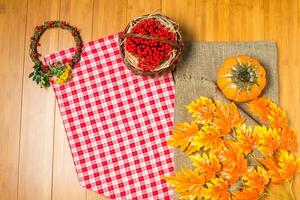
166, 66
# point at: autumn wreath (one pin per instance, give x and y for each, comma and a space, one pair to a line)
62, 71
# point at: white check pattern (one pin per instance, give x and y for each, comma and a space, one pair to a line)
117, 123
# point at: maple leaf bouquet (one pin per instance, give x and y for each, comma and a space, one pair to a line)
233, 160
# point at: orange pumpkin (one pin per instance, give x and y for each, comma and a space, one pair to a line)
241, 78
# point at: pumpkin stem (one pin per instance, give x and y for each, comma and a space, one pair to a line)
245, 76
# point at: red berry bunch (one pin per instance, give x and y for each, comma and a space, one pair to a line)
150, 53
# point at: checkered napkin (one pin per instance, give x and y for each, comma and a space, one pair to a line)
117, 123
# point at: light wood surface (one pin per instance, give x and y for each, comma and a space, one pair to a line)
35, 161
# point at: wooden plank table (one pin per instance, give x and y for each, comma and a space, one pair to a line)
35, 161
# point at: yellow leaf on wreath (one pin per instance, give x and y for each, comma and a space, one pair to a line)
183, 135
206, 164
227, 117
189, 183
269, 140
209, 137
218, 189
202, 109
245, 139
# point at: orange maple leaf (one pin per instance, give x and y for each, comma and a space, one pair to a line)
269, 140
183, 135
277, 116
245, 194
189, 183
227, 117
208, 137
254, 182
218, 188
268, 111
260, 108
245, 139
202, 109
255, 179
234, 164
272, 169
288, 140
206, 164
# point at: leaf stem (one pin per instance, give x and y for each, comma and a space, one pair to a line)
254, 158
290, 187
267, 189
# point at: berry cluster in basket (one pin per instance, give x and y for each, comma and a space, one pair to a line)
150, 52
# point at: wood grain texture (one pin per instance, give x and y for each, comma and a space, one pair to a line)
65, 183
37, 126
183, 12
35, 162
11, 75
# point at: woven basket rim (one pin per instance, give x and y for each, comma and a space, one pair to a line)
170, 63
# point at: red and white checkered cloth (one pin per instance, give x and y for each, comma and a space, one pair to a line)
117, 123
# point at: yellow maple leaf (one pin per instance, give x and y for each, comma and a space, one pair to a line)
269, 140
208, 137
245, 139
227, 117
202, 109
281, 167
218, 188
288, 165
188, 183
263, 173
183, 134
206, 164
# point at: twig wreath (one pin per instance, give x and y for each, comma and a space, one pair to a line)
62, 71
